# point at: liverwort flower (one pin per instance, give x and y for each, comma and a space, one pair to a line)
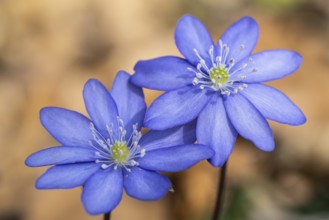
107, 153
220, 84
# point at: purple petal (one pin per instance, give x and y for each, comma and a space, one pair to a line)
163, 73
100, 105
191, 34
60, 155
145, 185
130, 101
215, 130
66, 176
67, 127
170, 137
176, 107
241, 38
174, 159
274, 105
103, 191
268, 65
249, 122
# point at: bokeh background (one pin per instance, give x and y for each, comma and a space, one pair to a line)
48, 49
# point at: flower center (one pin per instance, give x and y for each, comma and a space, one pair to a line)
120, 152
116, 150
219, 76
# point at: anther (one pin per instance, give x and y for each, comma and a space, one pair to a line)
219, 60
211, 50
143, 152
120, 121
197, 54
195, 81
105, 166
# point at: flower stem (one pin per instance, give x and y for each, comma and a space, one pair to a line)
220, 193
107, 216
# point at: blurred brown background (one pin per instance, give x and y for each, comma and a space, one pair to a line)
48, 49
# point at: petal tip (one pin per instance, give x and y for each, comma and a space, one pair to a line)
268, 148
299, 58
29, 161
123, 73
248, 19
149, 123
295, 57
91, 82
187, 17
209, 152
138, 65
45, 113
301, 120
152, 124
138, 78
215, 163
135, 80
39, 184
267, 144
92, 210
298, 119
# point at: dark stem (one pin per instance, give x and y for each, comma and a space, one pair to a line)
220, 193
107, 216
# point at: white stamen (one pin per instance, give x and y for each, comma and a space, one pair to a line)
231, 83
105, 147
195, 81
211, 53
226, 51
143, 152
199, 75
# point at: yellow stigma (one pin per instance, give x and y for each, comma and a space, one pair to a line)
120, 152
219, 75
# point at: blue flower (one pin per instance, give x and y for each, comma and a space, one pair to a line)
221, 85
108, 153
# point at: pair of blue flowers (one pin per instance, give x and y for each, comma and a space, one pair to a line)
211, 96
